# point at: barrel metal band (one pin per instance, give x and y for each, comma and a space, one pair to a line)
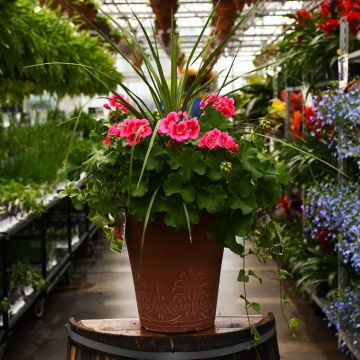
180, 355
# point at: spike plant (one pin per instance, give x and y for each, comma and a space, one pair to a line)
164, 162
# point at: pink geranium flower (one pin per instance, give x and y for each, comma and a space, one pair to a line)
114, 130
210, 139
193, 128
211, 98
228, 142
179, 127
130, 129
115, 103
223, 104
165, 123
179, 131
215, 139
135, 129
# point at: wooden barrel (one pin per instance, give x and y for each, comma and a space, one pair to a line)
123, 339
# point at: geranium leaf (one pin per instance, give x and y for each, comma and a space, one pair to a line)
241, 223
246, 205
213, 118
249, 159
190, 162
188, 194
173, 184
212, 199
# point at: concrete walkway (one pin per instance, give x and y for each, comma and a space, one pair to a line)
102, 288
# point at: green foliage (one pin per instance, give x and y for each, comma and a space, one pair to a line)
30, 35
36, 153
16, 197
313, 267
252, 101
302, 167
22, 274
184, 174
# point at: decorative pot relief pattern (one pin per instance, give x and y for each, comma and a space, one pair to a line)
191, 297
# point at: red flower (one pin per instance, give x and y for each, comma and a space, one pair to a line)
353, 19
303, 14
330, 25
296, 100
325, 8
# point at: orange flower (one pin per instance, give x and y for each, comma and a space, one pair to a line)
295, 122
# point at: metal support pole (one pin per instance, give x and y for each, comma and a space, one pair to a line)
43, 239
5, 278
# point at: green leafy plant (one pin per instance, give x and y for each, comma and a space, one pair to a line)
30, 36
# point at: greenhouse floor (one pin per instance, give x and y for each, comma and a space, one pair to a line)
101, 287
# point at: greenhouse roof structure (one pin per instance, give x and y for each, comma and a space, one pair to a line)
265, 24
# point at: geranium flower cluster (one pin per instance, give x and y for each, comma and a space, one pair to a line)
131, 129
224, 104
215, 139
333, 213
179, 127
344, 313
339, 114
115, 103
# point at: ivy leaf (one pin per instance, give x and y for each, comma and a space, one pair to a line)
252, 273
285, 299
242, 277
294, 323
255, 333
212, 199
256, 307
98, 219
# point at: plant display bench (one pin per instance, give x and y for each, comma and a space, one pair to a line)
121, 339
47, 245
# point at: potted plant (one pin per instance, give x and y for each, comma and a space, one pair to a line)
189, 187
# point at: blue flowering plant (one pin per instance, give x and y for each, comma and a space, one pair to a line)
343, 311
337, 118
332, 218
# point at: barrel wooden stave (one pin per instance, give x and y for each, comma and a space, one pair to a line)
128, 335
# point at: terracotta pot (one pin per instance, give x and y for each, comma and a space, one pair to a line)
177, 288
